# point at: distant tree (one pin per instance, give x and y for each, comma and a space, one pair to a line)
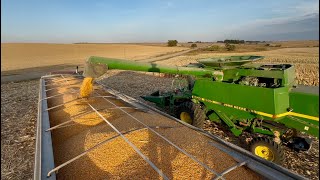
233, 41
190, 42
275, 45
253, 42
213, 48
198, 41
172, 43
230, 47
193, 45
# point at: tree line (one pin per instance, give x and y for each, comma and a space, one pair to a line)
236, 41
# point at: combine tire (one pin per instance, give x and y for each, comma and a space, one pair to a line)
191, 113
267, 149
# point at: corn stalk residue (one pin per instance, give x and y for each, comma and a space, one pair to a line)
86, 87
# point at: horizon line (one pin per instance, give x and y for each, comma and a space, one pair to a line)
152, 42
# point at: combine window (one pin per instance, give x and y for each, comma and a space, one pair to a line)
259, 82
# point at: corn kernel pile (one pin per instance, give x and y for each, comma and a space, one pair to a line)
86, 87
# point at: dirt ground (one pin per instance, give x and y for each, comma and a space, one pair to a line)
18, 121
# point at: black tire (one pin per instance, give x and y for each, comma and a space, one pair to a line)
196, 112
276, 149
191, 81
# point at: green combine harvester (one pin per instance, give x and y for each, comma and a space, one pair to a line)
262, 99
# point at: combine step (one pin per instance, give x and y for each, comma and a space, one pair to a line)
112, 136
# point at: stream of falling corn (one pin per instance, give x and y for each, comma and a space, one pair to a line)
86, 87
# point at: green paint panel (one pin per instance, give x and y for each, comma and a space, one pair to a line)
301, 124
281, 100
251, 97
231, 112
305, 103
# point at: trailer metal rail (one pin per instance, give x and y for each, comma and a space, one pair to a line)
45, 167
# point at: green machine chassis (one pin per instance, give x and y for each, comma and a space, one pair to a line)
257, 98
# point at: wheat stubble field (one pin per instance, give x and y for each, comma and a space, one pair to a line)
23, 55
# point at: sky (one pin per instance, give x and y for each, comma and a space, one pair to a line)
125, 21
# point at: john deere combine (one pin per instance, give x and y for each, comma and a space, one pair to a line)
257, 98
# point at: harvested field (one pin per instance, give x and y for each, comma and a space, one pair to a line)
20, 56
306, 61
298, 44
18, 119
